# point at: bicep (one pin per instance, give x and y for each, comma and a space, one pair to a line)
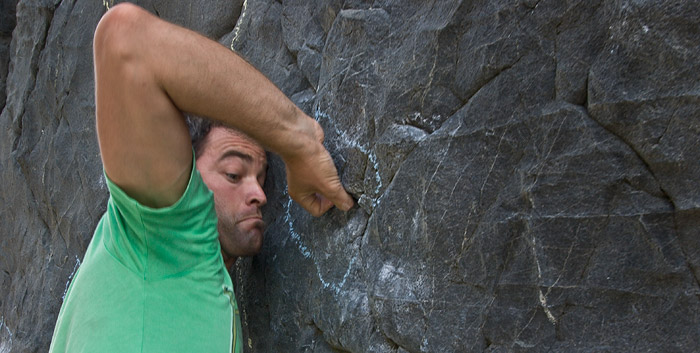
150, 161
144, 142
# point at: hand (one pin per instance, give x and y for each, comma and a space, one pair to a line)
313, 181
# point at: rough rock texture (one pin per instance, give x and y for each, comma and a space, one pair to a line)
526, 172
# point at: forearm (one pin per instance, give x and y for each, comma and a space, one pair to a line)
148, 71
205, 78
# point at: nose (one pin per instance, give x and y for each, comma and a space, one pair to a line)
255, 194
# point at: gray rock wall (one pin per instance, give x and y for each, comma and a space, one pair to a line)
526, 172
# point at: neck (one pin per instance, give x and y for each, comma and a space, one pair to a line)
228, 261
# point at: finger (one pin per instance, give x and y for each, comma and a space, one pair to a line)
324, 203
315, 204
340, 198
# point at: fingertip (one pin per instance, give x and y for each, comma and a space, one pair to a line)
347, 204
345, 201
317, 204
342, 200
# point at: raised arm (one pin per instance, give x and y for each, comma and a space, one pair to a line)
148, 71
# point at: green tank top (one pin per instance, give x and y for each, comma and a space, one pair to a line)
152, 280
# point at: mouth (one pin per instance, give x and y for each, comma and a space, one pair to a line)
251, 218
253, 222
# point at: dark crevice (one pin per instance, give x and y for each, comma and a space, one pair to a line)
57, 219
321, 333
8, 21
393, 176
668, 125
17, 129
394, 345
155, 10
233, 25
664, 193
531, 5
585, 95
61, 98
639, 155
34, 70
463, 101
361, 234
39, 214
384, 189
325, 45
487, 81
427, 129
644, 162
293, 55
25, 170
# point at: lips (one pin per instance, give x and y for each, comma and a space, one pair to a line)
256, 221
250, 218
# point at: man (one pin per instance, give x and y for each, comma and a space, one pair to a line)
233, 167
153, 278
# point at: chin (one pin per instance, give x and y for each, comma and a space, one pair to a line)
250, 242
255, 244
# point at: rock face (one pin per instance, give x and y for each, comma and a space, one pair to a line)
526, 172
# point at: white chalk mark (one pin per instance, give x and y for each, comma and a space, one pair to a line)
108, 3
333, 286
543, 302
386, 272
542, 297
290, 223
75, 268
304, 250
5, 346
424, 345
347, 141
102, 182
241, 18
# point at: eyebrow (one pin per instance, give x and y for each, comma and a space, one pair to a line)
239, 154
244, 156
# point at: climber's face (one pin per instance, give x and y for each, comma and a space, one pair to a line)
233, 166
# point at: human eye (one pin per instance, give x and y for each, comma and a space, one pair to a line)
233, 177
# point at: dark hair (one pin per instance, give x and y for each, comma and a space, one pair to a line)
199, 129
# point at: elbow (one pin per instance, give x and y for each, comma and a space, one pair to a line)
117, 34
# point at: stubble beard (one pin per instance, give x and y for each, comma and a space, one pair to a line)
241, 239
